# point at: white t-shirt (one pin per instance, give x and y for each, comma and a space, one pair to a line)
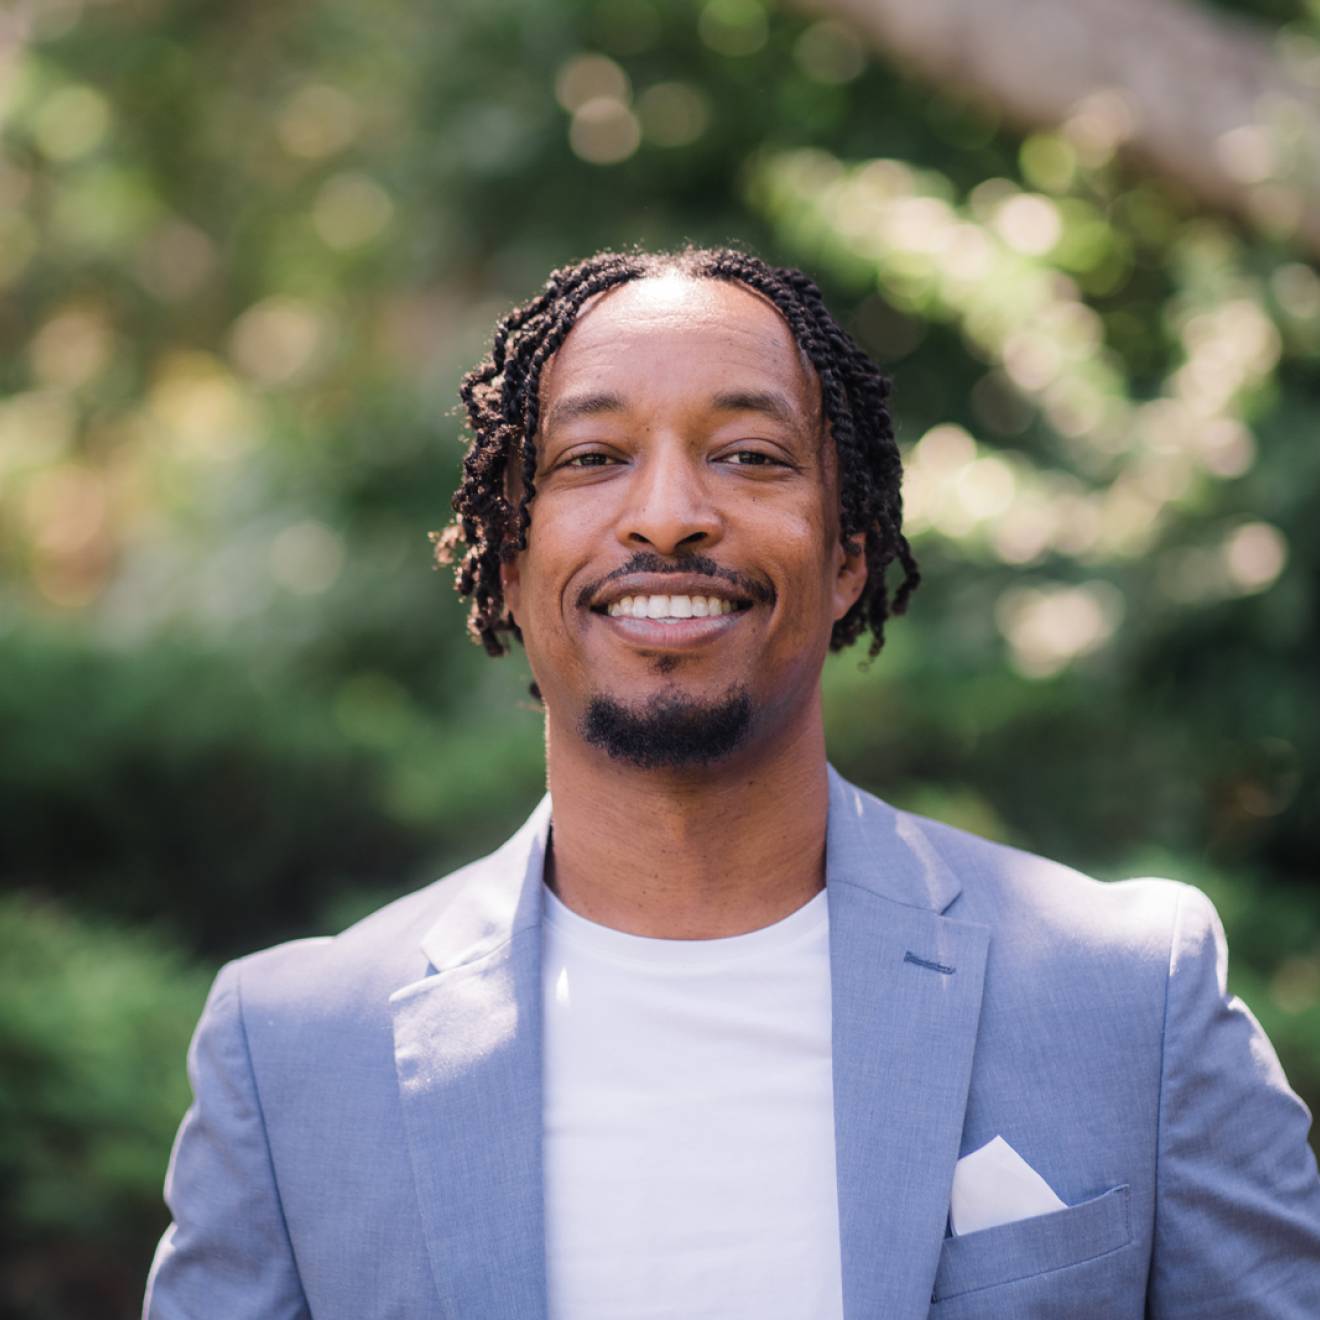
689, 1123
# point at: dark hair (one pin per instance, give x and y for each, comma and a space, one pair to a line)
502, 396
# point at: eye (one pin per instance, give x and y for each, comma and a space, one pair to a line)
593, 459
752, 458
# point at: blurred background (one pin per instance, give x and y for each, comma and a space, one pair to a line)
246, 251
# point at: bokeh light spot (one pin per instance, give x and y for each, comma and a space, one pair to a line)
673, 114
175, 260
604, 132
1048, 627
36, 427
586, 77
1049, 162
277, 339
350, 210
733, 27
71, 348
986, 487
1023, 535
1297, 289
1029, 223
200, 407
1099, 124
1225, 447
830, 52
71, 122
318, 121
1246, 153
945, 449
65, 508
1254, 556
307, 557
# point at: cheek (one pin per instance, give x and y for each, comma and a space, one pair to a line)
806, 564
556, 549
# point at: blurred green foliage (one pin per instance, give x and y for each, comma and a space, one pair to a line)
176, 787
92, 1037
245, 253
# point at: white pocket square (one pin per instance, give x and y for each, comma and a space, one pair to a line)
995, 1185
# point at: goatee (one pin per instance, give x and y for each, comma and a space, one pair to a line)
670, 731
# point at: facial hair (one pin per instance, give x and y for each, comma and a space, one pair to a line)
669, 731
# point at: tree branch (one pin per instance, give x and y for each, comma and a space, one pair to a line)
1205, 100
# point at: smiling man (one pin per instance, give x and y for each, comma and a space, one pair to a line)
717, 1034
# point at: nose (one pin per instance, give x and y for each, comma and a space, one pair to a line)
669, 505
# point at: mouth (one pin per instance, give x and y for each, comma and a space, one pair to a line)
653, 606
672, 609
671, 623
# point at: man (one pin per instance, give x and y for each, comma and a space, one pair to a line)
717, 1034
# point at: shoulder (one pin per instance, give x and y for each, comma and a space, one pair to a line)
329, 978
1034, 904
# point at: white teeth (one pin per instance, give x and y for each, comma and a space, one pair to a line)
669, 607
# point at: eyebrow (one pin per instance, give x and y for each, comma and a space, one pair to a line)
768, 402
582, 405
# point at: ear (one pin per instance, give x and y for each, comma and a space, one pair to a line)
511, 586
850, 575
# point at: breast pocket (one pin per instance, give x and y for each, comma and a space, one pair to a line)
1034, 1246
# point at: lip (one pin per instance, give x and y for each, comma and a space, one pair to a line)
680, 635
667, 584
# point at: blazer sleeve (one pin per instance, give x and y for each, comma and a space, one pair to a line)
1237, 1217
227, 1253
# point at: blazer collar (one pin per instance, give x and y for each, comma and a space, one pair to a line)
883, 851
485, 904
868, 844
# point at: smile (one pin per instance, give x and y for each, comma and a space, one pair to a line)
672, 608
670, 631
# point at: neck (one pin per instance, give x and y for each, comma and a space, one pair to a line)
692, 854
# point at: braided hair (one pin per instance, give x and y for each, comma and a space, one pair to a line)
502, 397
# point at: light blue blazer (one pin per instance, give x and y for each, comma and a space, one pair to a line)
365, 1143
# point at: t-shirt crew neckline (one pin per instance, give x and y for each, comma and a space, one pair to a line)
623, 947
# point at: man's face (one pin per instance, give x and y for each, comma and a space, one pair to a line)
683, 471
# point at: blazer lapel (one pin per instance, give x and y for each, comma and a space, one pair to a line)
468, 1058
906, 994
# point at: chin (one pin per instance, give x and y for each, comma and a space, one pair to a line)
671, 730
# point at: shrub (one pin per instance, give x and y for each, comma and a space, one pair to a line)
94, 1027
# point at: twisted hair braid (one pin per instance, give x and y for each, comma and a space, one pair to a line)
502, 398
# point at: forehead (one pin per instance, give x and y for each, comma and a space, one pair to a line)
673, 334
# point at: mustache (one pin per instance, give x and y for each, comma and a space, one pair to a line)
646, 562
